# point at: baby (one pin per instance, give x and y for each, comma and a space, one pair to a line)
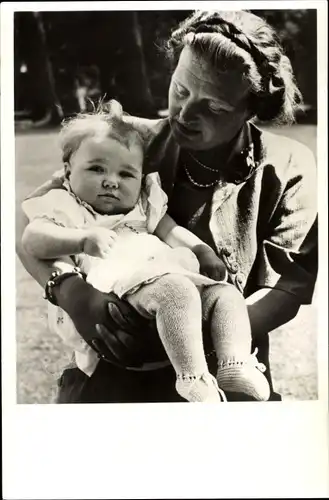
112, 221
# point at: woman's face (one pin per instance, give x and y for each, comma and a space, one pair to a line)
106, 174
206, 108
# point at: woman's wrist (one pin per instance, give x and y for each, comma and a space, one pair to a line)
54, 287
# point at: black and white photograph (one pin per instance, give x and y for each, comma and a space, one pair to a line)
199, 262
166, 177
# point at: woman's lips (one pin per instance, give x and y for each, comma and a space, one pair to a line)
186, 130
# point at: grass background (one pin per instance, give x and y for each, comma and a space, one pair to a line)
41, 355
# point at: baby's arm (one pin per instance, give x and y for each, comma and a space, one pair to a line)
177, 236
44, 239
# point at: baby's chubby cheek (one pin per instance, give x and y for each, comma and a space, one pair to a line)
128, 203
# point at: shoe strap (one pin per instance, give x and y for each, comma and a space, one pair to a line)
251, 361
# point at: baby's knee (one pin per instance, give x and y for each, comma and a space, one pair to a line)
229, 294
179, 288
224, 293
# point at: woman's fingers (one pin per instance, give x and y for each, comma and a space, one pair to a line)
124, 350
120, 343
116, 350
125, 316
117, 315
102, 350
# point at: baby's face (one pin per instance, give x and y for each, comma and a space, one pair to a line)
106, 174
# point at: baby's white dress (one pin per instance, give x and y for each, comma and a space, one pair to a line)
136, 258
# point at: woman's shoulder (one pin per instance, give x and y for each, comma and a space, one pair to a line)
284, 155
54, 183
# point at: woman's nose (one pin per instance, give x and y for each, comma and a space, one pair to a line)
111, 183
187, 113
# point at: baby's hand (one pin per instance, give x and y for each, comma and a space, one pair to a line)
98, 241
211, 265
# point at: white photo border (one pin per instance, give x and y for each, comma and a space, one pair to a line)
159, 450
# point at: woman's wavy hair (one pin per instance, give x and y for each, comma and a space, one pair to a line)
226, 38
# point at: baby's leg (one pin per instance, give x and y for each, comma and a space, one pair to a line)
238, 370
176, 304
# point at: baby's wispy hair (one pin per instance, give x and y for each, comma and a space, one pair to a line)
106, 120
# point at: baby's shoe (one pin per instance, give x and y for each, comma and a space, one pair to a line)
244, 376
200, 389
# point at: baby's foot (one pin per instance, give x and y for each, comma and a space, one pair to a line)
201, 389
244, 376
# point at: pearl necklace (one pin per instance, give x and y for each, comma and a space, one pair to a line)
201, 164
248, 152
197, 183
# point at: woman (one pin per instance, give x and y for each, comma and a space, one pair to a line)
249, 194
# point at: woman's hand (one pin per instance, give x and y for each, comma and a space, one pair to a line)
98, 241
109, 325
210, 264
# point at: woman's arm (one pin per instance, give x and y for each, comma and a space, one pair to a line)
287, 259
270, 308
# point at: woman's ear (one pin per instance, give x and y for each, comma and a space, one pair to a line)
251, 108
67, 170
250, 111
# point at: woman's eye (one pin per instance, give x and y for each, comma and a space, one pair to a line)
216, 107
181, 90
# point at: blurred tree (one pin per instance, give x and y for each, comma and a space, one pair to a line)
146, 94
157, 27
120, 59
37, 82
129, 71
54, 112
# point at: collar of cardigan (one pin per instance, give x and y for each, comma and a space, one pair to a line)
245, 157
